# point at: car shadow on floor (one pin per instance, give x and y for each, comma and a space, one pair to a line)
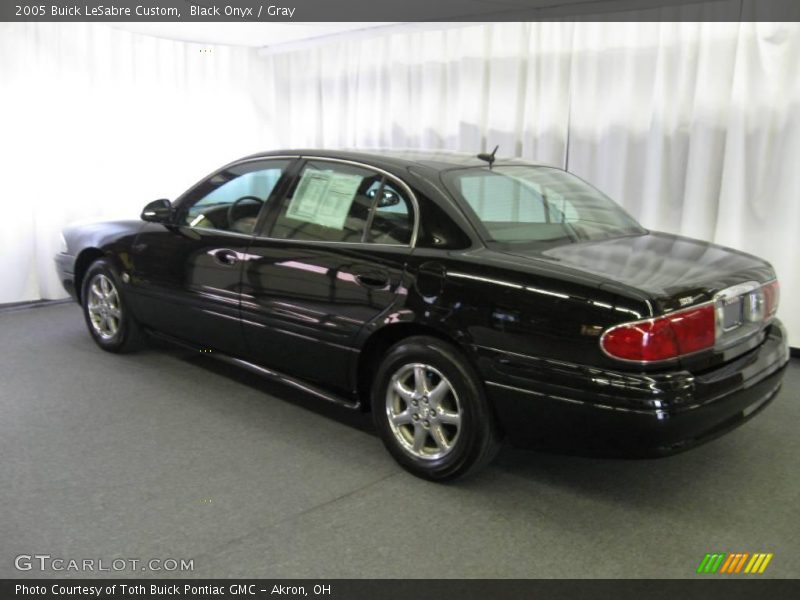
654, 481
352, 418
692, 480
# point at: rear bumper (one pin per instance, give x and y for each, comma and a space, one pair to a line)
574, 408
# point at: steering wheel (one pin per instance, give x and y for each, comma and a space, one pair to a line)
232, 207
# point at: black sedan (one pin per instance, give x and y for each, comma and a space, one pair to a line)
460, 299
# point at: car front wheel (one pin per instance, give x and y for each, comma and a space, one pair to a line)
431, 412
108, 318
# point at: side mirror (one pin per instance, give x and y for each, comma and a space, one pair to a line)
158, 211
389, 198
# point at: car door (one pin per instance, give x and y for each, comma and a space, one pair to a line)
187, 274
331, 259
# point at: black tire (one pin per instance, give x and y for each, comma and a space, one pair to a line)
476, 438
121, 333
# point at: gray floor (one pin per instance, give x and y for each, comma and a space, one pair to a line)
165, 454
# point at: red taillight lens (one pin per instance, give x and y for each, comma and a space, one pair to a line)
645, 341
772, 296
662, 338
694, 329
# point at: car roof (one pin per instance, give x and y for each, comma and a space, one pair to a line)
438, 160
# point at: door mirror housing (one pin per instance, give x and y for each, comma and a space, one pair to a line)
388, 198
158, 211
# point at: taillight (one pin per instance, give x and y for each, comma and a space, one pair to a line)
735, 311
772, 296
662, 338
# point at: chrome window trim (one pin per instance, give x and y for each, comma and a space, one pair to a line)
180, 201
182, 198
325, 243
412, 197
260, 158
218, 231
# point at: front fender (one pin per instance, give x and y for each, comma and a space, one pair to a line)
88, 242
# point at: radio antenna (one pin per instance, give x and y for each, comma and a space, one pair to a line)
488, 157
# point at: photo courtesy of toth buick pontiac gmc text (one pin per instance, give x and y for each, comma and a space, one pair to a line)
460, 299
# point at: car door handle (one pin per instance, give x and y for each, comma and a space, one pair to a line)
372, 280
225, 257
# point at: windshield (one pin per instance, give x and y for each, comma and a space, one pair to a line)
537, 206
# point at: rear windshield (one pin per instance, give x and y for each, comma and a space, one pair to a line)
537, 206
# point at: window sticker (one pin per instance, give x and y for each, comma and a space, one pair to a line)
324, 198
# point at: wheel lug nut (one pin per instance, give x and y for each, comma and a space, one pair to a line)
425, 399
416, 417
426, 423
414, 403
433, 413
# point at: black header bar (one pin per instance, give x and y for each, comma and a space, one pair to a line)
398, 10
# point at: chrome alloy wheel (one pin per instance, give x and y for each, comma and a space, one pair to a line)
423, 410
103, 305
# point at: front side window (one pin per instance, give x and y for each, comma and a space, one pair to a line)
335, 202
231, 200
537, 206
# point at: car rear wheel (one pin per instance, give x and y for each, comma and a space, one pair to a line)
108, 318
431, 412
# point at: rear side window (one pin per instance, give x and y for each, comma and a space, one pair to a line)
334, 202
393, 218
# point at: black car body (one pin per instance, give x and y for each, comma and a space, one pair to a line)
531, 321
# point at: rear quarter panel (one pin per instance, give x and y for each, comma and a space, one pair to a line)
487, 305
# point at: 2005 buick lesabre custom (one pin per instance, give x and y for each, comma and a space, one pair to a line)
459, 298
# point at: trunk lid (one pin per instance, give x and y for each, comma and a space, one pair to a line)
673, 271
